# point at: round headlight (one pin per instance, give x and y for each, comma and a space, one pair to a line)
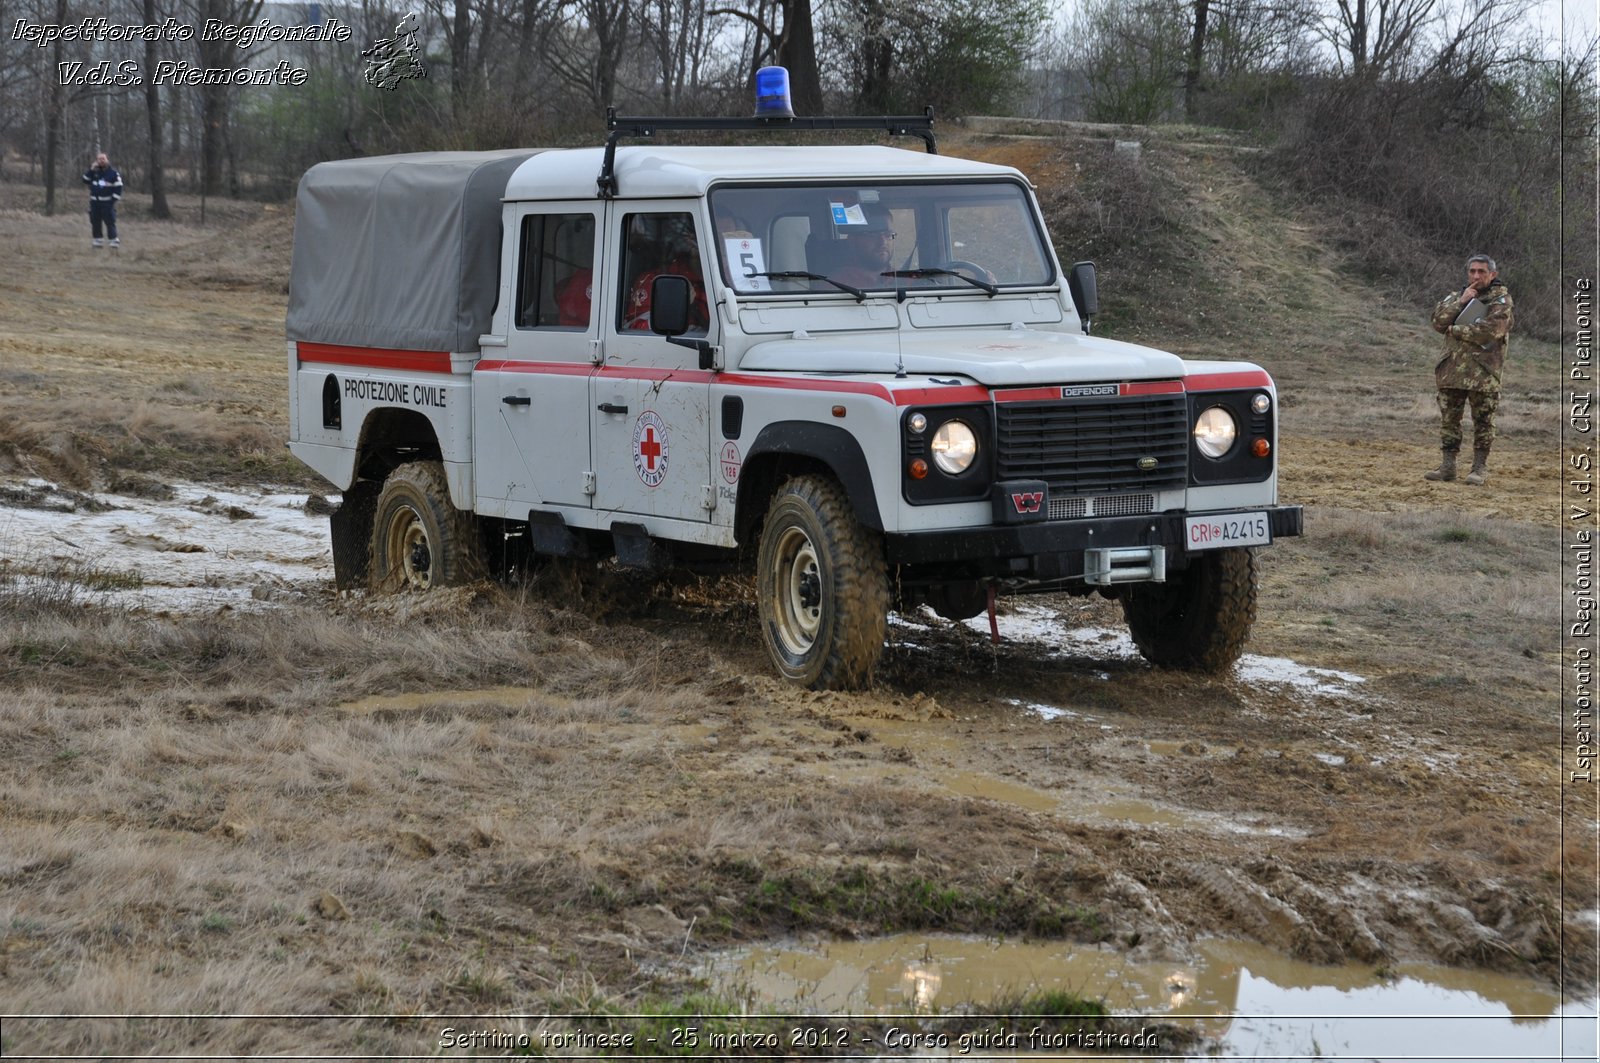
918, 423
1215, 431
1261, 403
954, 446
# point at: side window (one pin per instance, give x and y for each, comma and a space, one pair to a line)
555, 277
654, 245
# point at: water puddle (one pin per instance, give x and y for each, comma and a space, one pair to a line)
1248, 998
201, 550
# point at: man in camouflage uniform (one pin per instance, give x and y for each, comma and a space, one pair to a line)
1469, 372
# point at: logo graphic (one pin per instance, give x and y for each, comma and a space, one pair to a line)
1027, 501
394, 59
1146, 464
730, 461
1084, 391
650, 448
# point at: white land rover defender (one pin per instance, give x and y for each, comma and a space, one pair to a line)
685, 355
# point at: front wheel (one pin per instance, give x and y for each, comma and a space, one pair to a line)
420, 540
821, 587
1199, 619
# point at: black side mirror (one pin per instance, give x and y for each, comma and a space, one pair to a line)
1085, 296
669, 305
669, 315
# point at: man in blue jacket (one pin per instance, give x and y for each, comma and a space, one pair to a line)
105, 188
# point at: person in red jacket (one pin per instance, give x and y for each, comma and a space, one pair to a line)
574, 297
683, 260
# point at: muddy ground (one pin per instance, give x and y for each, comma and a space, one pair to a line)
611, 781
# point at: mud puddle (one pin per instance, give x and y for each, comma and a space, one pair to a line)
1247, 999
179, 548
1057, 636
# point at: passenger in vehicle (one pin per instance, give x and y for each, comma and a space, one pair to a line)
574, 297
681, 259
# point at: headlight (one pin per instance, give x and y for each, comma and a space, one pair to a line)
954, 446
1215, 431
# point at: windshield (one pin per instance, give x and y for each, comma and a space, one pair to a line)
843, 238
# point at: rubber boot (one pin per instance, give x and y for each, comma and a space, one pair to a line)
1446, 470
1480, 467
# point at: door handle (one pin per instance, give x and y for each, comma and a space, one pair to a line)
606, 407
517, 400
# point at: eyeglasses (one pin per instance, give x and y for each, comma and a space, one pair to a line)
885, 233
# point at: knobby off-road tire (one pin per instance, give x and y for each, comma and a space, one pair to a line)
821, 587
420, 541
1200, 618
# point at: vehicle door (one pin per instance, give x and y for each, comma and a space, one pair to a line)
649, 400
539, 392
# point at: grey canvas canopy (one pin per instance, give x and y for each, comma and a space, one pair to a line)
399, 250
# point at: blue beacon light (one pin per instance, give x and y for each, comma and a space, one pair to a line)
772, 93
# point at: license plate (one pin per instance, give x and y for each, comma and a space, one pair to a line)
1226, 529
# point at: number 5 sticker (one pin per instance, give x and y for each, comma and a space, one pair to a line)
746, 260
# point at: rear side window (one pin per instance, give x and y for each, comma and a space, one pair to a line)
555, 275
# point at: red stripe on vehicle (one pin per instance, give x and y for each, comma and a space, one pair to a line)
1249, 378
897, 396
1153, 387
1028, 395
374, 357
507, 365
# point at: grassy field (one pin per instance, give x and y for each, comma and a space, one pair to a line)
554, 797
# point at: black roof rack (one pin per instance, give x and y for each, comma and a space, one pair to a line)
920, 125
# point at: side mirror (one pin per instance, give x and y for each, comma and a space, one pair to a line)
1085, 296
669, 305
670, 297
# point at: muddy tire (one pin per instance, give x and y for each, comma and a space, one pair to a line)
821, 588
1200, 618
420, 541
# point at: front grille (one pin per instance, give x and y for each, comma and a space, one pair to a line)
1115, 506
1095, 447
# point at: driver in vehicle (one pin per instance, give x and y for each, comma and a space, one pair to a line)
868, 251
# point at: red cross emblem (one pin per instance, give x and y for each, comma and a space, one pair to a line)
651, 448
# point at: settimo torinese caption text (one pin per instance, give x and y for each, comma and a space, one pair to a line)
102, 30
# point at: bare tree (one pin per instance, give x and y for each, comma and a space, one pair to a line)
215, 99
1376, 38
152, 103
57, 108
785, 35
1197, 48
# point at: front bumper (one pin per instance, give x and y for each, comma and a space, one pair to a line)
1053, 550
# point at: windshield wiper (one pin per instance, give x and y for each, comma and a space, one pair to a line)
938, 271
802, 275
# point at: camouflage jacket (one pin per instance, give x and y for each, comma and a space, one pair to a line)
1474, 354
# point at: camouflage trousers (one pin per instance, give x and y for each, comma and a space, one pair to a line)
1453, 403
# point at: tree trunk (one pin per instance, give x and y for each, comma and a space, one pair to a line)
152, 104
460, 56
52, 135
1197, 49
797, 50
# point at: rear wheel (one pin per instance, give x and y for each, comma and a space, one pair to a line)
420, 541
1199, 619
821, 587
